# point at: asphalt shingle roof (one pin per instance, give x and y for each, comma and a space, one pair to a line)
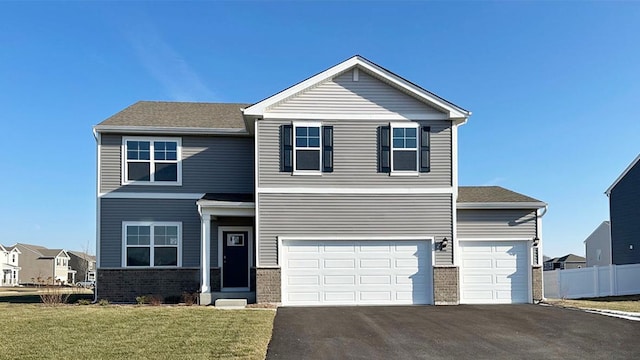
491, 194
180, 114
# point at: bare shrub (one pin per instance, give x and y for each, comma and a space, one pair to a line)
189, 298
54, 295
155, 300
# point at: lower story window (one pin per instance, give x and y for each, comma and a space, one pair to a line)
149, 244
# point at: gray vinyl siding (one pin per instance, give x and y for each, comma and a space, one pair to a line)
496, 224
625, 218
355, 157
600, 239
425, 215
209, 164
116, 211
341, 95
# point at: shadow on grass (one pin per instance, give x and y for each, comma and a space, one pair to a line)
35, 299
614, 298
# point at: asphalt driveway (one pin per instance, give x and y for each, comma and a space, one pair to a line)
451, 332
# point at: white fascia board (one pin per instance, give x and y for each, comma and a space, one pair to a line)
137, 195
624, 173
454, 112
226, 204
169, 130
333, 116
500, 205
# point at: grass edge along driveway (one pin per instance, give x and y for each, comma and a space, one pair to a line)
34, 331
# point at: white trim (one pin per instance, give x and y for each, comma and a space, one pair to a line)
307, 124
205, 252
169, 130
332, 116
151, 245
500, 205
256, 172
342, 190
624, 173
138, 195
151, 161
454, 197
416, 149
454, 112
98, 186
249, 242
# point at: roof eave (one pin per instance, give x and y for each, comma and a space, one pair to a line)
500, 205
169, 130
624, 173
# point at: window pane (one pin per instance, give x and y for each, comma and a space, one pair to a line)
166, 172
308, 160
398, 143
301, 142
138, 256
144, 239
159, 145
172, 146
411, 143
172, 230
314, 142
159, 155
138, 172
398, 132
405, 160
301, 131
165, 256
410, 132
314, 131
143, 145
132, 154
144, 155
171, 155
144, 230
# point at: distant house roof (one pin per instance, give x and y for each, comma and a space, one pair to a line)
177, 115
472, 197
569, 258
82, 255
42, 251
624, 173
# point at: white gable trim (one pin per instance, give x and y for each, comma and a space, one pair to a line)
453, 111
624, 173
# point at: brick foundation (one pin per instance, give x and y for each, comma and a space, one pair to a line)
536, 283
123, 285
445, 285
268, 285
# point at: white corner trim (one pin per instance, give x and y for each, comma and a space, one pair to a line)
343, 190
138, 195
256, 167
168, 130
500, 205
624, 173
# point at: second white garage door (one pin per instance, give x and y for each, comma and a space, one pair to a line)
494, 272
356, 272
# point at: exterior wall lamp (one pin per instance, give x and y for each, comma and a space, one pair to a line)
536, 241
444, 243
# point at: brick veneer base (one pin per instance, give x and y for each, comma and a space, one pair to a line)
268, 285
445, 285
124, 285
536, 282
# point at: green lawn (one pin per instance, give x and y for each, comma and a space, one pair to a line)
33, 331
621, 303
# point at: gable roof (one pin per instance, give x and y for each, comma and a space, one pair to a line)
624, 173
177, 117
454, 111
42, 251
483, 197
567, 258
82, 255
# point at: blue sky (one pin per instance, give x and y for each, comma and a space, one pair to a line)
553, 87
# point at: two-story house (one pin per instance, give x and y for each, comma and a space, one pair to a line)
9, 264
40, 265
339, 190
624, 214
83, 265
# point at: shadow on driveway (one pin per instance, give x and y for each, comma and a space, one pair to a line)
450, 332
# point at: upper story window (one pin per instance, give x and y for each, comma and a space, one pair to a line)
404, 149
13, 258
149, 244
306, 148
152, 161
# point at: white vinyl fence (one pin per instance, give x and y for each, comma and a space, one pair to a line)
594, 281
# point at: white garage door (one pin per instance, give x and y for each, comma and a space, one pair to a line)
494, 272
356, 272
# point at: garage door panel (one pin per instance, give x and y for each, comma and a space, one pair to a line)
357, 273
494, 272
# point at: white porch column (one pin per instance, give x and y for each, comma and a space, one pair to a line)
205, 220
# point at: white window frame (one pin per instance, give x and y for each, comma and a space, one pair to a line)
151, 245
151, 161
404, 125
297, 124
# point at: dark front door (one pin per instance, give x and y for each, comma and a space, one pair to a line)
235, 259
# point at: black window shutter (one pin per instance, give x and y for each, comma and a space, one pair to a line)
385, 149
425, 149
327, 148
286, 148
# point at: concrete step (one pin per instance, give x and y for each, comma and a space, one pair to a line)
231, 303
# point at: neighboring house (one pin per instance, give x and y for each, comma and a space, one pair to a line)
9, 264
43, 266
598, 246
84, 266
339, 190
624, 214
569, 261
